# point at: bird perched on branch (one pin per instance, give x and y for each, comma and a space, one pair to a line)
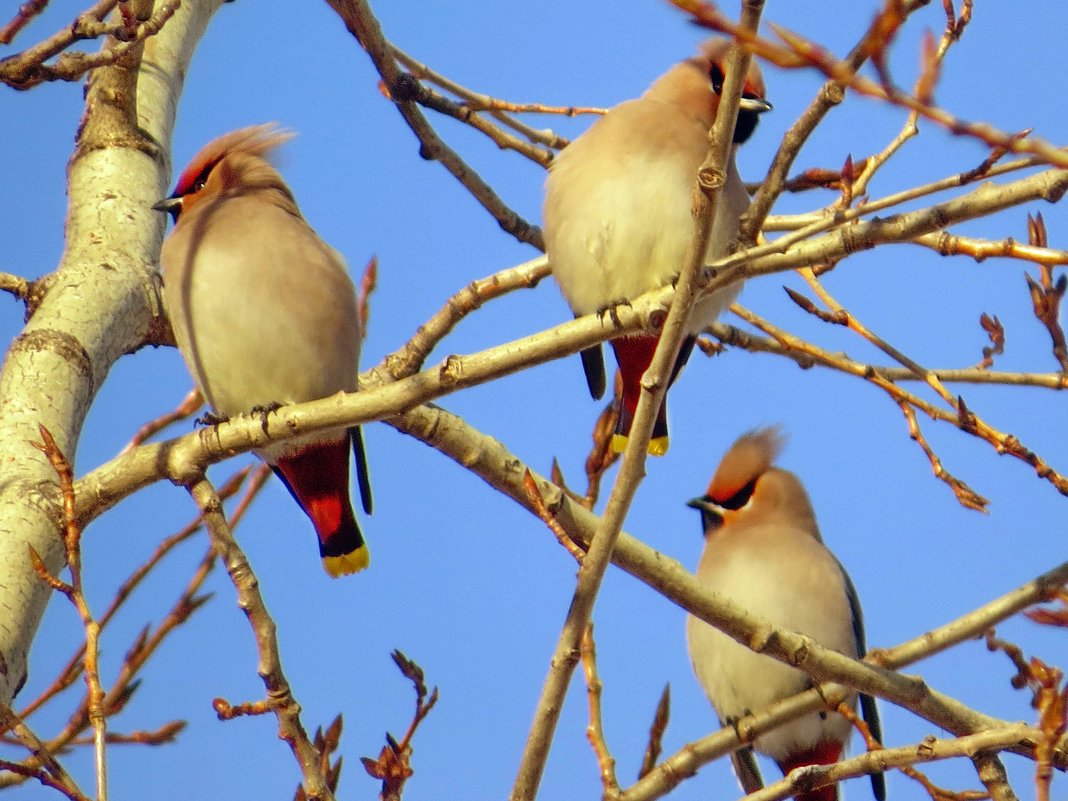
265, 314
763, 550
618, 212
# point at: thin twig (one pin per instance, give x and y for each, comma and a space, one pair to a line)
409, 359
500, 109
797, 52
829, 96
361, 22
966, 496
710, 179
69, 673
736, 337
48, 771
185, 409
279, 695
74, 591
28, 69
960, 415
595, 730
929, 750
656, 733
23, 17
394, 764
487, 457
546, 515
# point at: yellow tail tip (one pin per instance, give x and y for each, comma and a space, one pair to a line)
347, 563
658, 446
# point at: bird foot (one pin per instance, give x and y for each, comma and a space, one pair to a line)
210, 419
264, 410
611, 309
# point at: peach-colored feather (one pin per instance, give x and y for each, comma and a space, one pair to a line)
618, 212
264, 313
749, 457
255, 140
764, 552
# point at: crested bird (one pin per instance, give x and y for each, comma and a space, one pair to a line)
763, 550
618, 213
264, 313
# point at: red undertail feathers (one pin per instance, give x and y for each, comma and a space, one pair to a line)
318, 479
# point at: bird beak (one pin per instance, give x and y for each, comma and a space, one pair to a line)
756, 105
171, 205
712, 514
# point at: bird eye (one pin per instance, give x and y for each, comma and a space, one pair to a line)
715, 75
740, 498
198, 182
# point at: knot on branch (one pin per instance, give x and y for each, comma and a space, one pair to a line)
451, 370
710, 178
406, 89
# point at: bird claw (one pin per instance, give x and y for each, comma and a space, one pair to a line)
264, 410
611, 309
211, 419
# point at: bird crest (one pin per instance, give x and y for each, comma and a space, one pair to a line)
748, 458
255, 140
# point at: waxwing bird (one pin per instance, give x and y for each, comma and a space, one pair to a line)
763, 550
618, 212
264, 313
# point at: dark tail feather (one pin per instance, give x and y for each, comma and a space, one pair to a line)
745, 768
871, 717
685, 349
593, 367
363, 477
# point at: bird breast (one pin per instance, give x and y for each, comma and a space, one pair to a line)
790, 579
618, 211
263, 309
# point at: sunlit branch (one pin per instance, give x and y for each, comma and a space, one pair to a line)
29, 68
362, 23
958, 415
279, 695
489, 459
819, 357
796, 52
45, 768
829, 96
501, 109
930, 750
711, 177
595, 730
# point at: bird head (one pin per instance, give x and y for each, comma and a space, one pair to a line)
747, 489
233, 163
713, 61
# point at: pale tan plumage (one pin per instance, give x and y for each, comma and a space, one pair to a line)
617, 216
264, 313
763, 550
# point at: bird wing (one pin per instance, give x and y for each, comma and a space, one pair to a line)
867, 704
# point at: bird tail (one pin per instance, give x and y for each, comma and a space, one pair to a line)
825, 753
318, 479
635, 354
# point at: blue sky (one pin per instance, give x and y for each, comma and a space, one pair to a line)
462, 580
